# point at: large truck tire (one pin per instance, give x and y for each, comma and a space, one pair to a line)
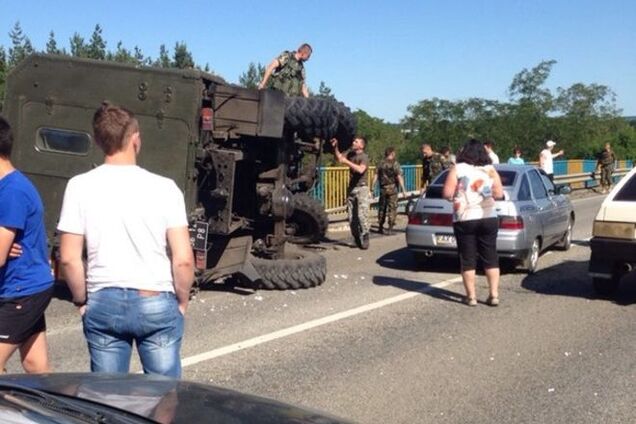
347, 126
309, 222
311, 117
298, 270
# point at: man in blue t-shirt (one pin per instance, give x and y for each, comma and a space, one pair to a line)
26, 283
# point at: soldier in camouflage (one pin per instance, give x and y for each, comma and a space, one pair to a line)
358, 195
432, 164
389, 176
287, 72
605, 162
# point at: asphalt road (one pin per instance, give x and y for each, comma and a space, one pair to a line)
384, 340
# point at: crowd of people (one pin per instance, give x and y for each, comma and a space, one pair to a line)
124, 244
118, 223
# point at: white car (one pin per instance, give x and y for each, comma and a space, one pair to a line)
613, 242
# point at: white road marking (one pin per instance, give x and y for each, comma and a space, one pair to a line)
255, 341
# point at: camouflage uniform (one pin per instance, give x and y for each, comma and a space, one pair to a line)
289, 76
388, 173
358, 198
606, 161
431, 167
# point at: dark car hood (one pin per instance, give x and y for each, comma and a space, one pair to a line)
167, 400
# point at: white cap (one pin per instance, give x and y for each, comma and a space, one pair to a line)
550, 143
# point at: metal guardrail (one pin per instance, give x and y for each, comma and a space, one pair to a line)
580, 178
583, 177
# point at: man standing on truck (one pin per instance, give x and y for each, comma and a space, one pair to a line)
139, 259
605, 163
287, 72
358, 195
389, 175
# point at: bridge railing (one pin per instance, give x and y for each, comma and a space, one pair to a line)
331, 190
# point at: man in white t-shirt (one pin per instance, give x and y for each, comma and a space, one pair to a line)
546, 157
139, 260
488, 145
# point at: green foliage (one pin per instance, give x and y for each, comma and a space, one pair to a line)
182, 58
96, 49
253, 75
51, 45
325, 92
3, 73
581, 118
20, 45
164, 58
78, 46
380, 135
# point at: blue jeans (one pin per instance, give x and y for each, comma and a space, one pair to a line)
115, 317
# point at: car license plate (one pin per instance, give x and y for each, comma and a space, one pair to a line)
445, 240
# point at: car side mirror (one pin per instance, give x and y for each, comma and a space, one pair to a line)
564, 189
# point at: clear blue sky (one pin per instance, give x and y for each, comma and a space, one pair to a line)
379, 56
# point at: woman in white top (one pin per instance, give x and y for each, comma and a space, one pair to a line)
473, 185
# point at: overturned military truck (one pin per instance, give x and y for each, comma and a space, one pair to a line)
245, 159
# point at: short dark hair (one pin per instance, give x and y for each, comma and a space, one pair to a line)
517, 149
474, 153
361, 137
112, 125
388, 151
489, 143
6, 138
305, 46
445, 150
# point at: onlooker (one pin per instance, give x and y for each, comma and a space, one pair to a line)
389, 175
605, 162
26, 283
358, 195
546, 157
473, 185
448, 159
140, 262
516, 158
432, 165
488, 145
287, 72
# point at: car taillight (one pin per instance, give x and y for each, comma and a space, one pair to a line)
415, 219
511, 223
439, 219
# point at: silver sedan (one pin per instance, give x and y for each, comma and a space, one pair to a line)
533, 216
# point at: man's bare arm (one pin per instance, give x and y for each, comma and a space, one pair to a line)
71, 247
268, 73
401, 181
182, 264
305, 90
7, 235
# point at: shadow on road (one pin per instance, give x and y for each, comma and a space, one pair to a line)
403, 260
420, 287
570, 278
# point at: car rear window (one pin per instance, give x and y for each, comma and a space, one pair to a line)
507, 178
627, 193
434, 192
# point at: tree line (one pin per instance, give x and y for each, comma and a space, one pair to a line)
580, 118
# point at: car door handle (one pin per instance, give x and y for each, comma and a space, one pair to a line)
528, 208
